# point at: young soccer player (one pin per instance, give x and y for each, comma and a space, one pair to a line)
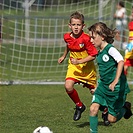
128, 62
112, 87
81, 68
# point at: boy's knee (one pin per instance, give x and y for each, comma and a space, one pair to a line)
94, 109
112, 119
68, 87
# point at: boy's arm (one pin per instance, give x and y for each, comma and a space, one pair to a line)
118, 74
84, 60
119, 59
91, 50
61, 59
119, 70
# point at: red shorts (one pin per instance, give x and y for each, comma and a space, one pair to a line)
84, 84
128, 62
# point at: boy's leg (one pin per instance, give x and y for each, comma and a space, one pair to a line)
105, 116
124, 111
128, 112
80, 107
93, 117
93, 124
75, 97
121, 113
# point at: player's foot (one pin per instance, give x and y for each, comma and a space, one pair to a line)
105, 117
78, 112
128, 113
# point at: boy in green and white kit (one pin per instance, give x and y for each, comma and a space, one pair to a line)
112, 88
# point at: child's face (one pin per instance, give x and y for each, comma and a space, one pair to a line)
118, 6
76, 26
96, 39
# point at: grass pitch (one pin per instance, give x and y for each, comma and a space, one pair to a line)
25, 107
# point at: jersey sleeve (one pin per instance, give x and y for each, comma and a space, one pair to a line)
115, 54
66, 37
91, 50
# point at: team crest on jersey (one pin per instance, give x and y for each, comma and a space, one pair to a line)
81, 45
105, 58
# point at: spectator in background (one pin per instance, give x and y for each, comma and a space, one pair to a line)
121, 22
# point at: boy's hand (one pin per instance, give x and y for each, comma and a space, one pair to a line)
61, 59
74, 61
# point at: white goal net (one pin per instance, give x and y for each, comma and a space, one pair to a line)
31, 36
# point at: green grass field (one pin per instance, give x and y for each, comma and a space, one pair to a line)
25, 107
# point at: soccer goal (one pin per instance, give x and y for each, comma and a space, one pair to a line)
31, 36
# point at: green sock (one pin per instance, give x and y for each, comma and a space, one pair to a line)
121, 114
93, 124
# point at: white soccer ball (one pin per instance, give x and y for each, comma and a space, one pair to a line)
42, 129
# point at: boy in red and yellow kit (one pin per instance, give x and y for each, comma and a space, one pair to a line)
81, 68
129, 51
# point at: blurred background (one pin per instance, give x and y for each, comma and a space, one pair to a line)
31, 36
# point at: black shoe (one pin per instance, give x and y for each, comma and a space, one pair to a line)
128, 113
78, 112
105, 118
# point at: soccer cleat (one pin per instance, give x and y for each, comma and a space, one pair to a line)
78, 112
128, 113
105, 117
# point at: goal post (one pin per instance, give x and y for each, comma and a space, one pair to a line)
30, 49
26, 5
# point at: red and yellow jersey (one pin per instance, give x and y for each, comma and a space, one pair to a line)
129, 54
80, 48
